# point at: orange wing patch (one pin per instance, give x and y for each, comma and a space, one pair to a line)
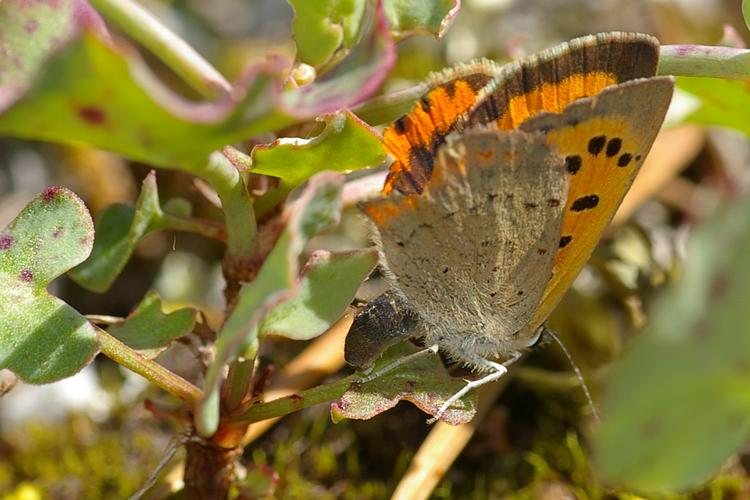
602, 157
553, 97
482, 92
603, 141
413, 139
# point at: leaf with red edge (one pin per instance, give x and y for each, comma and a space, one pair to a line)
422, 381
42, 339
83, 88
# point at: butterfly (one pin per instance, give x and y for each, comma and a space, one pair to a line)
503, 180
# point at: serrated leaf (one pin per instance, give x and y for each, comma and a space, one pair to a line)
317, 208
42, 339
323, 27
678, 405
414, 17
119, 229
328, 284
346, 144
149, 329
423, 381
725, 103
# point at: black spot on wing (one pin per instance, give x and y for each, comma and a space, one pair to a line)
585, 203
624, 160
613, 146
573, 163
596, 144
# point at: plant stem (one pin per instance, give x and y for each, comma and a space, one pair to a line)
388, 107
207, 228
295, 402
238, 383
239, 214
706, 61
143, 27
148, 369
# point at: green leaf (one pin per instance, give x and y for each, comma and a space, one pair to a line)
422, 381
42, 339
149, 330
322, 27
73, 85
327, 286
725, 103
119, 229
317, 208
93, 93
412, 17
353, 80
30, 31
678, 404
345, 144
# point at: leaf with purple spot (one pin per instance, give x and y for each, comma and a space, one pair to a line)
42, 339
86, 89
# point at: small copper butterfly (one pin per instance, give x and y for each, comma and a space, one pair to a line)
504, 178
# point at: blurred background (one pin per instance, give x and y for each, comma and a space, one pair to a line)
91, 436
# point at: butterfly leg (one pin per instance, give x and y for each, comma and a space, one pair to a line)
497, 370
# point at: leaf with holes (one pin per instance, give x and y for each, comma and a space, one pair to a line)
345, 144
149, 329
327, 285
119, 229
677, 405
423, 381
316, 209
42, 339
418, 17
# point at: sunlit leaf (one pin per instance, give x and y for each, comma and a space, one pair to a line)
77, 86
42, 339
724, 103
410, 17
346, 144
322, 27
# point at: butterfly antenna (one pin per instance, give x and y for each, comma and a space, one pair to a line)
578, 373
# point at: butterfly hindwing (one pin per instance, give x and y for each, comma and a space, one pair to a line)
603, 141
473, 252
